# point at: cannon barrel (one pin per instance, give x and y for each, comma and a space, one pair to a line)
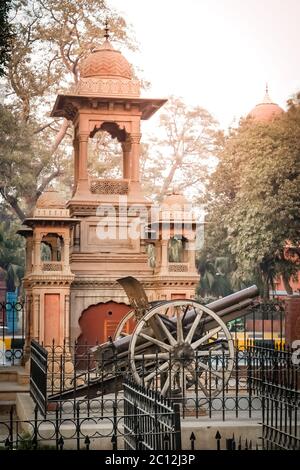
228, 308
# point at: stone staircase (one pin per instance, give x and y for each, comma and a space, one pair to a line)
13, 380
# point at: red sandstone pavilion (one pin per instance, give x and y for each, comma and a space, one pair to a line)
74, 295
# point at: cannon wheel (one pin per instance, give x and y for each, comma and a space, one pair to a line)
195, 357
122, 324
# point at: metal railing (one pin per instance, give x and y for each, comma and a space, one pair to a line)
12, 333
275, 377
151, 422
38, 375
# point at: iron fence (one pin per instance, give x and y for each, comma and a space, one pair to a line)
38, 375
146, 421
151, 422
12, 333
100, 384
275, 377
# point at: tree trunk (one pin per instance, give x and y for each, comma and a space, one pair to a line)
60, 135
286, 283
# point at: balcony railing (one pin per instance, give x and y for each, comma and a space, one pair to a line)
52, 266
178, 267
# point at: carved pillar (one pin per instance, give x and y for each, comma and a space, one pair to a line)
76, 162
164, 256
126, 147
83, 179
37, 263
66, 260
29, 250
135, 160
191, 256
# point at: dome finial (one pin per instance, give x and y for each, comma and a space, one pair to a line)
267, 98
106, 29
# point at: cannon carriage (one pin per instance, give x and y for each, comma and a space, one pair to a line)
174, 346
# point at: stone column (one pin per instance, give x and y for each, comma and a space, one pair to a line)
83, 179
164, 256
126, 147
29, 250
135, 161
37, 263
66, 258
191, 257
76, 162
292, 319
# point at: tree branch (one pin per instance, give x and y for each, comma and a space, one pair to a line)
46, 181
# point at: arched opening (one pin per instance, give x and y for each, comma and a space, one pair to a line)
105, 151
97, 323
52, 252
176, 249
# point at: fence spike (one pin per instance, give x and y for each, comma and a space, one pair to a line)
61, 443
87, 442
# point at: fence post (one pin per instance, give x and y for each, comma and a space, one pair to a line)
218, 438
177, 426
61, 443
87, 443
114, 438
78, 425
11, 426
166, 441
34, 440
192, 439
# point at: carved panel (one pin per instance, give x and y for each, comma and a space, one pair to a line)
52, 266
109, 187
178, 267
108, 87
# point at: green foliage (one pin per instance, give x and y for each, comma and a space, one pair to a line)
5, 35
12, 254
253, 200
49, 40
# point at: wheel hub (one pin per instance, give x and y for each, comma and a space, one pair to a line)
183, 353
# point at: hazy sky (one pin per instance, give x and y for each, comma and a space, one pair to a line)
217, 53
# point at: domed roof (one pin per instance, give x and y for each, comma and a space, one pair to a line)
50, 199
105, 62
266, 110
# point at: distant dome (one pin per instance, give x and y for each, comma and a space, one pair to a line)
105, 62
51, 199
266, 110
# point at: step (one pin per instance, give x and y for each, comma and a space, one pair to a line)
16, 374
9, 390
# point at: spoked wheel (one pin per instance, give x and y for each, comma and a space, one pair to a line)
180, 346
127, 323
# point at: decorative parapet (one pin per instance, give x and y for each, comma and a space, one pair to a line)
52, 266
107, 87
51, 213
109, 186
178, 267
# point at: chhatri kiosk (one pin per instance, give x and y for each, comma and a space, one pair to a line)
73, 294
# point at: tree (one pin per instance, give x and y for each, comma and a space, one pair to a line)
182, 151
254, 199
12, 254
49, 40
5, 35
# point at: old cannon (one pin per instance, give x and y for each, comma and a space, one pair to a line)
174, 345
